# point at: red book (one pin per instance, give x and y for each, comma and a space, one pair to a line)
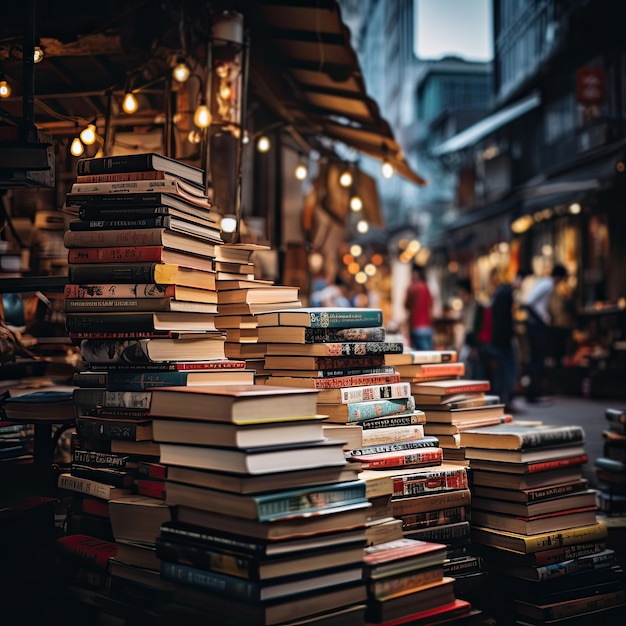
150, 488
94, 506
401, 458
430, 616
448, 387
88, 550
402, 549
429, 480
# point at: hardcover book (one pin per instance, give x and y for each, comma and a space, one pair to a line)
300, 335
339, 349
324, 317
419, 357
144, 237
111, 305
448, 387
371, 409
139, 290
136, 321
401, 458
521, 437
287, 364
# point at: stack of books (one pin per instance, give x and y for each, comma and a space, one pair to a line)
269, 521
534, 519
406, 584
241, 297
610, 468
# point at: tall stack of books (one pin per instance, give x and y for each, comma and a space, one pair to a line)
269, 519
610, 468
241, 297
534, 518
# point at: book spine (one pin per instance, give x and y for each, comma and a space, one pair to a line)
340, 362
424, 442
460, 388
88, 458
86, 398
115, 237
89, 550
442, 370
86, 486
567, 536
419, 357
396, 434
429, 482
488, 421
271, 507
391, 586
109, 322
150, 488
107, 428
358, 411
375, 392
354, 349
331, 373
168, 366
393, 421
90, 379
558, 555
328, 335
113, 305
106, 273
584, 605
115, 254
160, 221
119, 290
114, 164
544, 466
177, 532
463, 565
408, 458
211, 581
548, 493
448, 534
110, 212
140, 199
125, 186
414, 521
328, 318
542, 438
120, 412
349, 381
99, 474
577, 565
152, 470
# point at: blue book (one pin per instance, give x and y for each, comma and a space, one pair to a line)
323, 317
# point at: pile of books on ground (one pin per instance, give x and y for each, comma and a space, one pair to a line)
140, 302
269, 519
610, 468
534, 518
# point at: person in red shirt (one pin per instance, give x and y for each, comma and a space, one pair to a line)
419, 304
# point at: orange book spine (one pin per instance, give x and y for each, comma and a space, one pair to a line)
543, 466
407, 458
442, 369
118, 254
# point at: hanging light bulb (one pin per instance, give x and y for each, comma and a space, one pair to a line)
38, 54
362, 226
77, 148
356, 204
229, 223
263, 144
129, 103
386, 169
88, 134
345, 180
300, 172
202, 118
194, 136
5, 89
181, 71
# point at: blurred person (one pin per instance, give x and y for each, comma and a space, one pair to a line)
471, 319
335, 294
561, 308
538, 323
419, 305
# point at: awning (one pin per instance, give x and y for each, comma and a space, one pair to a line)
488, 125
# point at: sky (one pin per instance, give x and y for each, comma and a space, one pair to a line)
458, 27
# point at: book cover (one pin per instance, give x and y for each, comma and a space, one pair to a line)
135, 237
299, 335
139, 162
417, 417
339, 349
371, 409
515, 436
374, 392
335, 363
137, 321
394, 434
323, 317
89, 487
138, 290
90, 551
448, 387
89, 458
112, 305
415, 444
429, 480
401, 458
93, 427
419, 357
334, 386
417, 373
270, 506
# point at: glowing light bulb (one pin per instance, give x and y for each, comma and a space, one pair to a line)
225, 91
387, 170
263, 144
362, 226
356, 204
88, 135
229, 223
129, 103
77, 147
202, 118
222, 70
345, 180
5, 89
300, 172
194, 136
38, 54
181, 72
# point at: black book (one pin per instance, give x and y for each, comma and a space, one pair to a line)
140, 163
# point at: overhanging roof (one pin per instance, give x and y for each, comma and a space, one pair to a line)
488, 125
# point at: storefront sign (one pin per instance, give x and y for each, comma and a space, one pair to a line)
590, 85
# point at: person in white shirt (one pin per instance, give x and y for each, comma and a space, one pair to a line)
538, 328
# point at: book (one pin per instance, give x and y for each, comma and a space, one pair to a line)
591, 608
465, 416
137, 553
524, 456
370, 409
235, 436
451, 612
530, 467
139, 448
323, 317
137, 273
326, 521
514, 436
93, 427
391, 586
238, 404
261, 460
89, 551
430, 502
393, 434
454, 428
314, 363
109, 476
401, 556
143, 237
418, 372
144, 291
338, 349
519, 481
137, 517
269, 506
539, 494
90, 487
205, 346
532, 509
327, 374
447, 387
441, 517
86, 399
56, 405
419, 357
335, 385
137, 304
253, 308
190, 224
137, 163
454, 535
300, 335
545, 523
273, 293
401, 458
259, 483
139, 254
414, 444
89, 458
136, 321
165, 183
392, 421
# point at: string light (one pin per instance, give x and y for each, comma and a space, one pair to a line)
345, 180
5, 89
181, 71
356, 204
263, 144
202, 118
362, 226
77, 148
129, 103
300, 172
386, 169
88, 134
194, 136
229, 223
38, 54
